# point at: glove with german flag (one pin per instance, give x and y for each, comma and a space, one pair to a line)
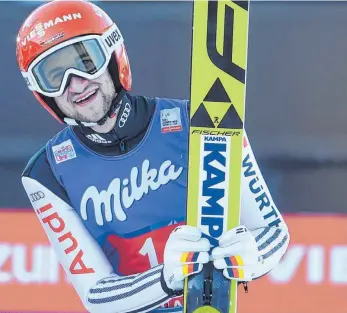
237, 254
184, 254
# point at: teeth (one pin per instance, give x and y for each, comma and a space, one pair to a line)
86, 96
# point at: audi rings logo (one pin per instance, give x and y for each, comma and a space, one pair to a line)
124, 117
36, 196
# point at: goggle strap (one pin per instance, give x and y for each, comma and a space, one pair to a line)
28, 79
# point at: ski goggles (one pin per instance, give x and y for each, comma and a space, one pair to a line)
85, 56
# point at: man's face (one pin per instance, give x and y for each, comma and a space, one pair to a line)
87, 100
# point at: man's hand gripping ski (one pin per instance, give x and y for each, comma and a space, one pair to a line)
186, 252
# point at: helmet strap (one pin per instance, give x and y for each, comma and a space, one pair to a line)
116, 103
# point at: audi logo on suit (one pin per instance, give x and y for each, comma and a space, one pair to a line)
36, 196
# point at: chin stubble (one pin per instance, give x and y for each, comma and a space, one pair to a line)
96, 116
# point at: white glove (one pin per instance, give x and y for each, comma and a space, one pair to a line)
237, 254
185, 253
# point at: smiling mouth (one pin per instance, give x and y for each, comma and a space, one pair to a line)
89, 96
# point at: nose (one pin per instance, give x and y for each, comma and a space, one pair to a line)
77, 84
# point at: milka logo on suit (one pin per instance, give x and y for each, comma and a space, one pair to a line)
120, 195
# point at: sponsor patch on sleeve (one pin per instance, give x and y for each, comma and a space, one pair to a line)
64, 151
170, 120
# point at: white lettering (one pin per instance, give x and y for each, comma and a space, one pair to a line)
20, 271
338, 265
287, 268
39, 29
149, 249
67, 17
58, 20
32, 33
5, 253
48, 24
320, 264
76, 16
315, 259
27, 265
123, 196
177, 303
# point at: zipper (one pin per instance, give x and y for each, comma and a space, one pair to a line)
114, 135
116, 138
122, 146
245, 286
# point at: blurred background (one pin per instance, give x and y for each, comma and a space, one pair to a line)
296, 120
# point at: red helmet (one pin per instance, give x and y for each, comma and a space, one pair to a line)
56, 31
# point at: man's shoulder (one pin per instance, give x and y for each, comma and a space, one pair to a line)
40, 159
39, 162
39, 169
36, 163
141, 99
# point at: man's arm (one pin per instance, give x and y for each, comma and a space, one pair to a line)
83, 260
260, 214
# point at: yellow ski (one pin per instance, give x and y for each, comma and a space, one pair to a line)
218, 85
